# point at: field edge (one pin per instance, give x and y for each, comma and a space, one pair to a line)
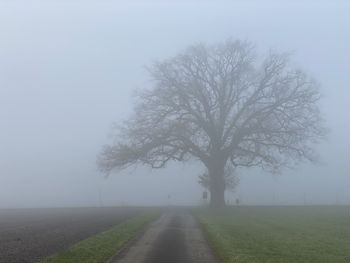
102, 247
213, 242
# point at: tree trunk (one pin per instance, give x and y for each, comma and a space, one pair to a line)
217, 184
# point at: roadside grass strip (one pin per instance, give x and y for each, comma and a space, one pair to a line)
279, 234
102, 247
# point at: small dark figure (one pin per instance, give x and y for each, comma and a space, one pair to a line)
237, 201
205, 195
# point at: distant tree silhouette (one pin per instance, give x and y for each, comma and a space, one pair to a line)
221, 105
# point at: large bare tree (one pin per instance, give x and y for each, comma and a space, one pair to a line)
221, 105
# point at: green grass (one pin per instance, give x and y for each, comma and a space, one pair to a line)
279, 234
102, 247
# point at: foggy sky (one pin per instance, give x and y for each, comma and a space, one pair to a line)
68, 70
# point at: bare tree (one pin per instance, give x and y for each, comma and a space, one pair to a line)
221, 104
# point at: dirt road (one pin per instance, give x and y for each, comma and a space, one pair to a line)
27, 235
174, 238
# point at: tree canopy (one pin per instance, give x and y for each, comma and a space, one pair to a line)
224, 106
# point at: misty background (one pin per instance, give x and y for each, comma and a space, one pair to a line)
68, 70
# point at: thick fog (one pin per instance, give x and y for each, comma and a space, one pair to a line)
68, 70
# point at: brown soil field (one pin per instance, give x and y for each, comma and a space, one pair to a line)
28, 235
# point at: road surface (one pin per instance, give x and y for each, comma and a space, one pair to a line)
174, 238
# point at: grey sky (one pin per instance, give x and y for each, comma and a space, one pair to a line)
68, 69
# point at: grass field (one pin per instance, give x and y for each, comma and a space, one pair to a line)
102, 247
315, 234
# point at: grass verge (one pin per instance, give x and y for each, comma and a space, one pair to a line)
279, 234
102, 247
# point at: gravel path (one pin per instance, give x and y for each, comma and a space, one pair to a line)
174, 238
27, 235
